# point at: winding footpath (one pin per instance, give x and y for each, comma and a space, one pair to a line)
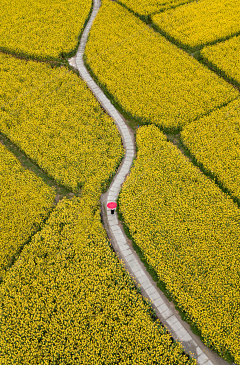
165, 310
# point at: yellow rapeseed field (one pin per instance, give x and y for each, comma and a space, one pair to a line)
225, 56
24, 202
148, 76
43, 29
68, 300
188, 231
201, 22
147, 7
52, 116
214, 141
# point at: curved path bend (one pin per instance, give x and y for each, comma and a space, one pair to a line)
165, 310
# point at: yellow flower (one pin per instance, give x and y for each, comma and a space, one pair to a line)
188, 231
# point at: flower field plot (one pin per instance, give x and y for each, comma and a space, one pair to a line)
68, 300
25, 201
214, 141
151, 79
225, 57
188, 231
42, 29
201, 22
52, 116
147, 7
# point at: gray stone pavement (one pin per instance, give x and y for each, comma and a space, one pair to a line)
165, 310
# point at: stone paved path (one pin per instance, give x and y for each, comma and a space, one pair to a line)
164, 309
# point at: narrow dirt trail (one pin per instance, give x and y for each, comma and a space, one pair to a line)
164, 309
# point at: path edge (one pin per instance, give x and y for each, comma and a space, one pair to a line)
164, 309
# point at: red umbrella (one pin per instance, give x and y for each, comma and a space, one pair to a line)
112, 205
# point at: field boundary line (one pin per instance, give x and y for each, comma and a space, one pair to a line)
164, 310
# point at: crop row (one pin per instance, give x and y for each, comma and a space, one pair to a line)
201, 22
24, 203
69, 300
214, 141
52, 116
188, 231
159, 83
42, 29
147, 7
225, 57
